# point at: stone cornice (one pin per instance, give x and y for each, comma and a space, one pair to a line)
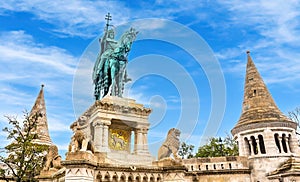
262, 124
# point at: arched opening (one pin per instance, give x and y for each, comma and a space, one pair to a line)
137, 179
151, 179
276, 137
130, 179
158, 179
261, 144
284, 143
115, 178
145, 179
106, 178
248, 146
290, 143
123, 178
192, 168
254, 145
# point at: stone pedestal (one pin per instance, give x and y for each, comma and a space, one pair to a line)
80, 166
111, 124
174, 170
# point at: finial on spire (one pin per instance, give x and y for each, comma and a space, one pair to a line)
42, 85
248, 52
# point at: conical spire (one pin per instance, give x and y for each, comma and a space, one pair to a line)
39, 107
258, 104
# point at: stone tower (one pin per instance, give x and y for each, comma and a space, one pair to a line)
39, 107
264, 134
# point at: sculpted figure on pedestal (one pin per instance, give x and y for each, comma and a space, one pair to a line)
171, 145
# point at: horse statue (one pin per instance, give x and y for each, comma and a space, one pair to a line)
110, 73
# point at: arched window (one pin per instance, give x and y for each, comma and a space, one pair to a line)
276, 137
290, 143
284, 143
261, 144
254, 145
248, 147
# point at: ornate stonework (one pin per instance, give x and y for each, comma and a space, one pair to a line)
100, 148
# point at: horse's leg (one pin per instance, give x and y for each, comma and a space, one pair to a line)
113, 77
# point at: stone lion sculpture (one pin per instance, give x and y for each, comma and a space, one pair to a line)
52, 159
170, 145
80, 142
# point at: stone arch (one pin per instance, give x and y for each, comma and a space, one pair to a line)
290, 143
277, 142
261, 144
158, 179
145, 179
137, 179
106, 177
247, 146
283, 141
130, 179
254, 145
115, 178
122, 178
151, 179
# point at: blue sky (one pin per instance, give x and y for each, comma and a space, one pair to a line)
188, 63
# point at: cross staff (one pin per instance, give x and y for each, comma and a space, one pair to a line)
107, 18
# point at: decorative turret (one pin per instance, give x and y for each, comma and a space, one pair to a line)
39, 108
258, 104
263, 132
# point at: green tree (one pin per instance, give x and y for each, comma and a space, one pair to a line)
185, 150
216, 147
22, 158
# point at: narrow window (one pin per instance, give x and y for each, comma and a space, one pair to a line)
254, 145
192, 168
222, 166
277, 142
206, 167
199, 167
254, 92
261, 144
290, 143
214, 166
284, 143
230, 167
248, 147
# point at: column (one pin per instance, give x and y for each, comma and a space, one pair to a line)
145, 140
251, 147
280, 144
98, 136
138, 140
105, 138
106, 122
258, 145
287, 144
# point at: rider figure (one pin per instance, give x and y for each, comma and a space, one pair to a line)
108, 44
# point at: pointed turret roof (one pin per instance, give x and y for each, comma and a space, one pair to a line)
258, 104
39, 107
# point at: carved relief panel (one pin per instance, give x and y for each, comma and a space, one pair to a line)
119, 139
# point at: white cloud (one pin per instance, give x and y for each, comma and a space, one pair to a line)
25, 65
272, 29
86, 18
